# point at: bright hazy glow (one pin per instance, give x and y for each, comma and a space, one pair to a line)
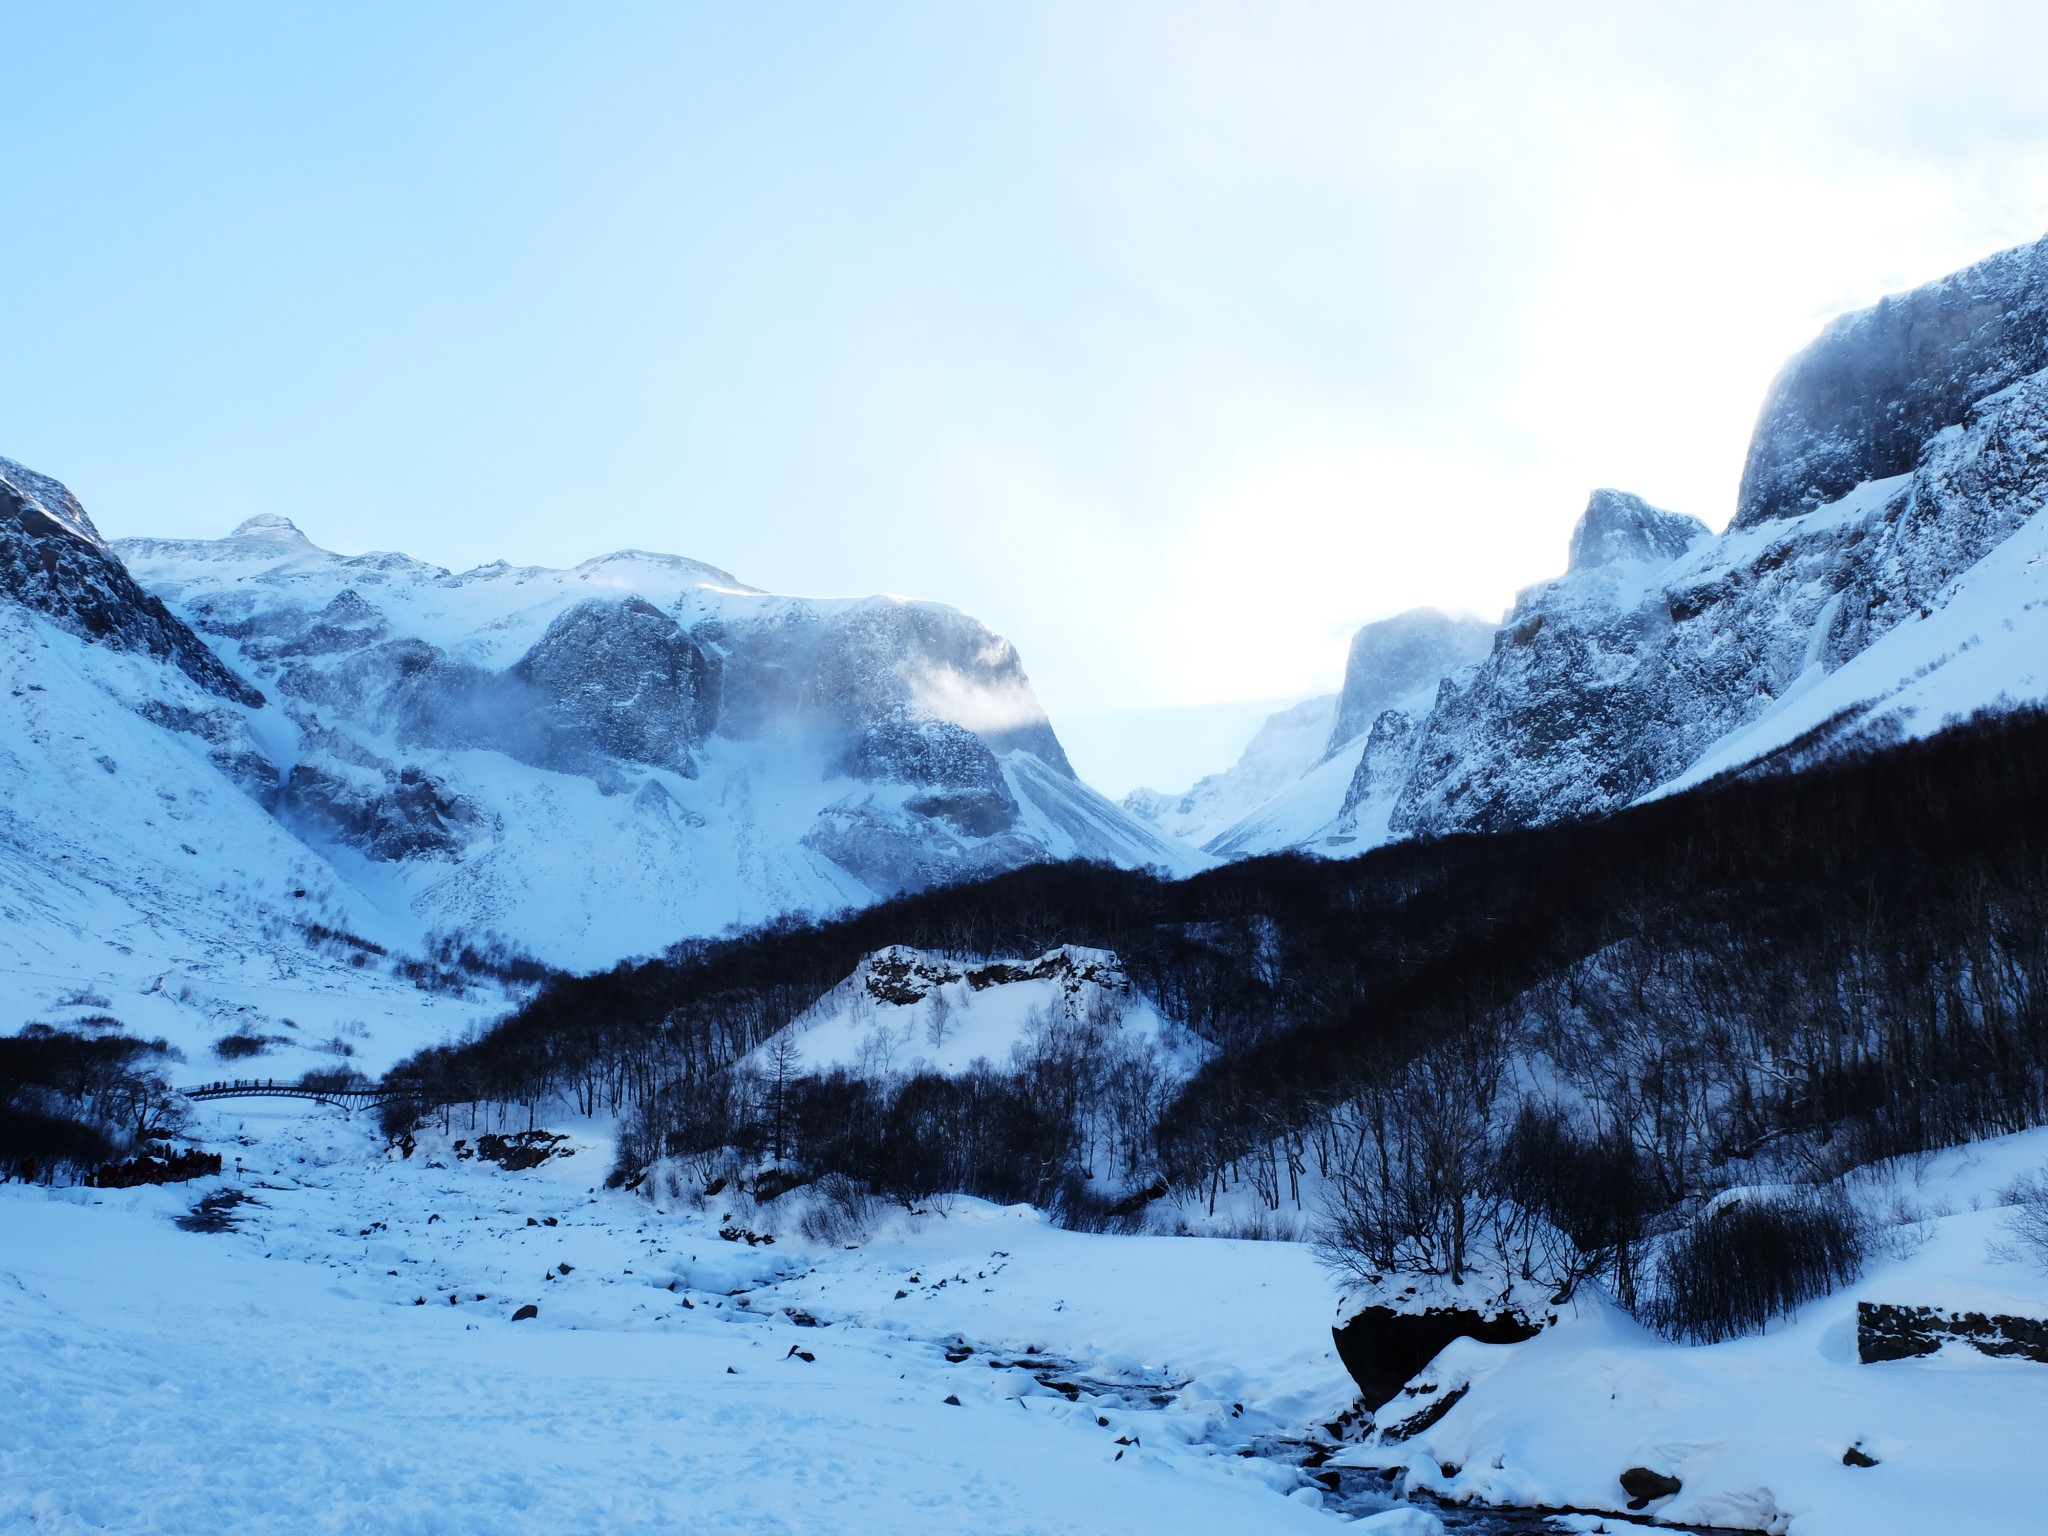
1174, 341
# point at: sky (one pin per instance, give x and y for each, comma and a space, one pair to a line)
1172, 340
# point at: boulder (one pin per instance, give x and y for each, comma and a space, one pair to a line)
1382, 1347
1642, 1485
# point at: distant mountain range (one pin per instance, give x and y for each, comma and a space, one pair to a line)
255, 760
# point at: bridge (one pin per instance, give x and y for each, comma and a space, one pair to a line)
368, 1097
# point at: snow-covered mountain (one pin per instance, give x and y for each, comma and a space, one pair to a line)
1292, 778
1886, 572
215, 748
143, 881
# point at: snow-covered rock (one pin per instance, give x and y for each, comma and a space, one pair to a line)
600, 761
1864, 400
906, 1011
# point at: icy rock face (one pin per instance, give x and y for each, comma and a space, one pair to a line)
53, 560
627, 677
1864, 400
1393, 657
1618, 527
1574, 708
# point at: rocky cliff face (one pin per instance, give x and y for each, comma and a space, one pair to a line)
1865, 399
1880, 576
1391, 659
1896, 455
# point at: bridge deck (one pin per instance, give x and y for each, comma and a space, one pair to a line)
342, 1098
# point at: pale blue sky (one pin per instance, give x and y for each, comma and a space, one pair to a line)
1173, 340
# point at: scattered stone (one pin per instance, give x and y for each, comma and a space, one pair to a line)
1856, 1457
802, 1354
952, 1401
529, 1310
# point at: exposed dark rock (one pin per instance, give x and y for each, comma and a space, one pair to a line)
1863, 401
1383, 1348
392, 815
521, 1150
1855, 1456
1435, 1405
529, 1310
1887, 1332
1643, 1485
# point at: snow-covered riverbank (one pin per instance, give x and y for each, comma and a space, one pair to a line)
1760, 1431
346, 1359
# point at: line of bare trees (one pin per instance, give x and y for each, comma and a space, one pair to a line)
1552, 1039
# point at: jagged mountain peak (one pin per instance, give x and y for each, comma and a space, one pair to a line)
1391, 658
1617, 527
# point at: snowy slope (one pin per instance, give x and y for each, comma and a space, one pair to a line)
142, 882
1287, 744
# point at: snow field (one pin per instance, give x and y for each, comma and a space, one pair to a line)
282, 1377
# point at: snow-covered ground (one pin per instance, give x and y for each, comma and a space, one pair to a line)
1756, 1428
347, 1360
